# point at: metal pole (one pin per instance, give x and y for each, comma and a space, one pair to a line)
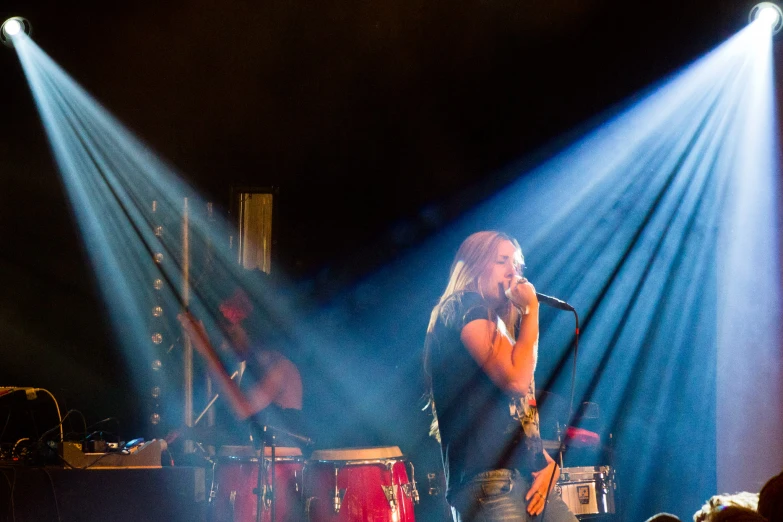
188, 347
209, 384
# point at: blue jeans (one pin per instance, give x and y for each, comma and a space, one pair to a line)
499, 496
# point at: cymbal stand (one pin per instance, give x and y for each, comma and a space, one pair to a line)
561, 447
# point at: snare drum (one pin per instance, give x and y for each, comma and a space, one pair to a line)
359, 485
588, 490
236, 476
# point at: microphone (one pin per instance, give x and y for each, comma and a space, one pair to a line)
548, 300
554, 302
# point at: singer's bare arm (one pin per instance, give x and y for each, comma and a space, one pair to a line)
509, 364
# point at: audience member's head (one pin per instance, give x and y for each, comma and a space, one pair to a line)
663, 517
716, 503
735, 514
771, 499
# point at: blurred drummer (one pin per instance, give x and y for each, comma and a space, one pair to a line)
267, 387
480, 356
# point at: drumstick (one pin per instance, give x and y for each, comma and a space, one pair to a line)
195, 422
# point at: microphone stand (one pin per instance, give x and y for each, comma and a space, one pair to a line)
269, 432
260, 490
261, 495
560, 305
563, 439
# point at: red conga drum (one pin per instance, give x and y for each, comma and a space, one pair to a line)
358, 485
236, 476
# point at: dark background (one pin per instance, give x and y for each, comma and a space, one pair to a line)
379, 122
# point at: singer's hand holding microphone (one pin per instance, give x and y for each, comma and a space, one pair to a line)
519, 294
523, 294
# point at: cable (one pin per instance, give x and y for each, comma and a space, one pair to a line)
573, 369
54, 494
59, 425
11, 486
107, 419
36, 390
5, 426
103, 435
17, 443
561, 449
84, 423
56, 405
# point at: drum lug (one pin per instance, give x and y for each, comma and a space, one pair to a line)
391, 496
267, 497
339, 494
232, 500
213, 488
391, 491
433, 489
410, 489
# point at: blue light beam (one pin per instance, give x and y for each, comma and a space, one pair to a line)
660, 226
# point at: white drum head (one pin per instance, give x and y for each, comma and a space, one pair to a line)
249, 452
346, 454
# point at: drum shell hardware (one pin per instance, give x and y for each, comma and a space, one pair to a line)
359, 485
588, 490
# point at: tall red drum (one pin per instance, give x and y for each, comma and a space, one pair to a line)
359, 485
236, 476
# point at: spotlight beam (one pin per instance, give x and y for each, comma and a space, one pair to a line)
642, 234
627, 223
111, 178
721, 92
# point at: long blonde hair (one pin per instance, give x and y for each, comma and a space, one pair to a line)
476, 253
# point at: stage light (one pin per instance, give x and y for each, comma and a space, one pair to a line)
13, 28
769, 14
